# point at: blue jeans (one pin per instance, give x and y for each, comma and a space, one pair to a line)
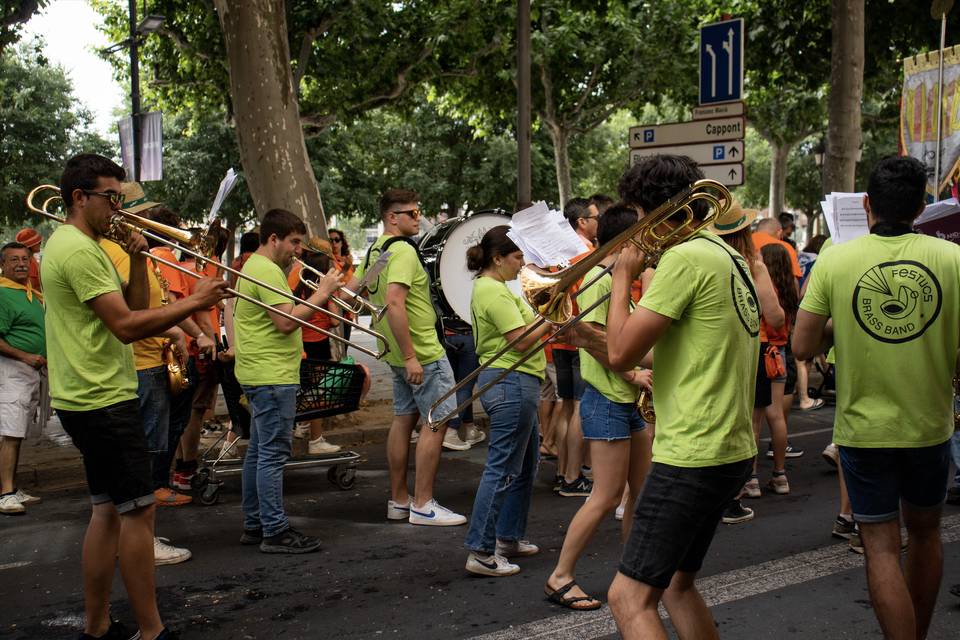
180, 407
273, 409
153, 392
955, 454
463, 359
503, 498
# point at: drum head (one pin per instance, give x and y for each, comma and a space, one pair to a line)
456, 281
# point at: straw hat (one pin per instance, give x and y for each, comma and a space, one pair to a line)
29, 237
319, 245
134, 199
735, 219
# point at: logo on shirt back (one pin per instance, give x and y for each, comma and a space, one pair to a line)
748, 311
896, 301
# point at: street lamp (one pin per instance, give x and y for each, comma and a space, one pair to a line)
819, 152
150, 24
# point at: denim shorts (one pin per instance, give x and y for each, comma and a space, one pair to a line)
676, 517
878, 479
114, 451
411, 399
604, 419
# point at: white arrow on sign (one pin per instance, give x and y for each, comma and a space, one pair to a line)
695, 131
730, 175
702, 154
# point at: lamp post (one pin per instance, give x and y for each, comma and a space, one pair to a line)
138, 31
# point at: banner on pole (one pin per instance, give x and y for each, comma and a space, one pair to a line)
918, 113
151, 146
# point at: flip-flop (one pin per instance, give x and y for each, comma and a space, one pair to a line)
547, 455
817, 404
556, 596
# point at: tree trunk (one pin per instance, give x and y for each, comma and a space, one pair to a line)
561, 141
846, 91
272, 149
778, 176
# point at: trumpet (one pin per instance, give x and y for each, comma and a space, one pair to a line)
360, 304
551, 294
123, 223
645, 406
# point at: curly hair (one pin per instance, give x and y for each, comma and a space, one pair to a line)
656, 179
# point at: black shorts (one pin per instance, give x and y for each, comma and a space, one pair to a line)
764, 393
569, 383
676, 517
790, 387
115, 456
318, 350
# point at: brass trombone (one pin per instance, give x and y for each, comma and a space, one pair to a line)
360, 304
550, 295
122, 223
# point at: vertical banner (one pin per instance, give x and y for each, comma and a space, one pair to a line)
125, 126
918, 113
151, 145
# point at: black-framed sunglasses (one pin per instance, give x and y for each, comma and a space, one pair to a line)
335, 239
115, 198
413, 213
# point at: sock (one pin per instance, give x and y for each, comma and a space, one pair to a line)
779, 473
846, 516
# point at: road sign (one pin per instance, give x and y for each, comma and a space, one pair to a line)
724, 110
702, 154
696, 131
730, 175
721, 61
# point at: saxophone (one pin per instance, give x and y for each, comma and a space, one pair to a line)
172, 356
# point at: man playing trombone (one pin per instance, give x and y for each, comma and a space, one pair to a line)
702, 313
268, 347
90, 324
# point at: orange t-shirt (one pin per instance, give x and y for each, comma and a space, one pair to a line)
209, 271
573, 289
34, 273
321, 320
761, 239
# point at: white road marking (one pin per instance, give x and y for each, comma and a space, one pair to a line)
716, 590
800, 434
14, 565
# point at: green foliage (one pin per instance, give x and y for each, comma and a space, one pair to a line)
41, 126
13, 15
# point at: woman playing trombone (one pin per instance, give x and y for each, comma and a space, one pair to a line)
499, 519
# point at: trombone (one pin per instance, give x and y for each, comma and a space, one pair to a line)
122, 223
550, 295
360, 304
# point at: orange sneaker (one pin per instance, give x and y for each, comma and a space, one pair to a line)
169, 498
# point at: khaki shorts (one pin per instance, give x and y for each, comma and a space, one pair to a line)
19, 397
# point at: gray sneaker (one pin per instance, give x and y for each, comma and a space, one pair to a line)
472, 435
451, 440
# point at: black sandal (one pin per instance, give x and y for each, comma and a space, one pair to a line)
556, 596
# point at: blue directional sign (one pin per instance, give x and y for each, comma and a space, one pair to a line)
721, 61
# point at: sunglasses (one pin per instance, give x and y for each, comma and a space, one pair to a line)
335, 239
115, 198
413, 213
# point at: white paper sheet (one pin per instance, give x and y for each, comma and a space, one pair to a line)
938, 210
544, 236
850, 216
226, 186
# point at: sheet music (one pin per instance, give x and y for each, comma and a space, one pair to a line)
226, 186
544, 236
846, 218
938, 210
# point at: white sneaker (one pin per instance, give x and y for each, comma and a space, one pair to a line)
432, 514
414, 436
618, 514
473, 436
451, 440
25, 498
495, 565
11, 506
516, 548
832, 455
302, 430
321, 446
164, 553
397, 511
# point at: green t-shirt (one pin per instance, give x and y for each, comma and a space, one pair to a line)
404, 268
896, 320
89, 367
706, 361
21, 321
265, 356
609, 383
497, 311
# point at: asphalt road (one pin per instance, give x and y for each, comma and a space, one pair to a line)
780, 575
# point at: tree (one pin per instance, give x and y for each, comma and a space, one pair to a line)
846, 91
13, 15
40, 126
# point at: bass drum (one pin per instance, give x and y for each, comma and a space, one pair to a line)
444, 250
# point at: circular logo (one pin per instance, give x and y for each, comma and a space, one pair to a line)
748, 310
897, 301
